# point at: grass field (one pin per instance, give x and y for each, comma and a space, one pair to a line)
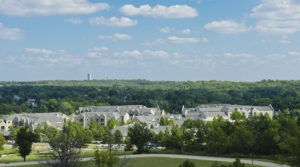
156, 162
11, 155
166, 162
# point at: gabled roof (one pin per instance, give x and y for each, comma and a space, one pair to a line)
56, 119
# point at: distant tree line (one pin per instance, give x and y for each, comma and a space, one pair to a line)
62, 96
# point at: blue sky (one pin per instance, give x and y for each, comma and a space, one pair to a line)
237, 40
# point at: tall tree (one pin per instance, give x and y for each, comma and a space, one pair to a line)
66, 145
291, 147
24, 140
241, 140
139, 135
1, 141
266, 135
99, 132
237, 116
217, 135
175, 141
13, 132
118, 137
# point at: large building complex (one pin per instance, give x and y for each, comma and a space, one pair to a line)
128, 114
208, 112
33, 120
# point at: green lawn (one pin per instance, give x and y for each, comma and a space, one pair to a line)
166, 162
157, 162
11, 155
34, 156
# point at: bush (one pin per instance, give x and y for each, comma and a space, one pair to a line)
187, 163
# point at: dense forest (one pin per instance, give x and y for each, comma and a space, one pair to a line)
67, 96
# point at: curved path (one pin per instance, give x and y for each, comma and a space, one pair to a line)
247, 161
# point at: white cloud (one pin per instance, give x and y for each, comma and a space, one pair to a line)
132, 53
204, 40
277, 17
154, 42
45, 57
173, 30
176, 39
226, 27
175, 11
278, 27
49, 7
157, 53
57, 59
10, 33
238, 59
294, 53
73, 20
97, 52
284, 41
238, 55
166, 29
186, 31
117, 36
275, 57
43, 51
143, 54
113, 21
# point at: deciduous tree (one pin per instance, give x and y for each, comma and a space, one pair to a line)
1, 141
66, 145
24, 140
139, 135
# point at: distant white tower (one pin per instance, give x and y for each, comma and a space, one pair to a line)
89, 76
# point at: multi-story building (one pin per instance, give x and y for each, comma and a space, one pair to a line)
208, 112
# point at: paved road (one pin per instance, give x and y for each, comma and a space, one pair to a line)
247, 161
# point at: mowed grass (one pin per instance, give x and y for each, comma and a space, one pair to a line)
157, 162
11, 155
166, 162
171, 162
34, 156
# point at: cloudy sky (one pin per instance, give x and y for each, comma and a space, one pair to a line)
237, 40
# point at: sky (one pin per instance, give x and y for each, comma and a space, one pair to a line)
177, 40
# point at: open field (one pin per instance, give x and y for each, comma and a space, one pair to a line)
156, 162
40, 152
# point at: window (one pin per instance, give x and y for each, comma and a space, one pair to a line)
102, 121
